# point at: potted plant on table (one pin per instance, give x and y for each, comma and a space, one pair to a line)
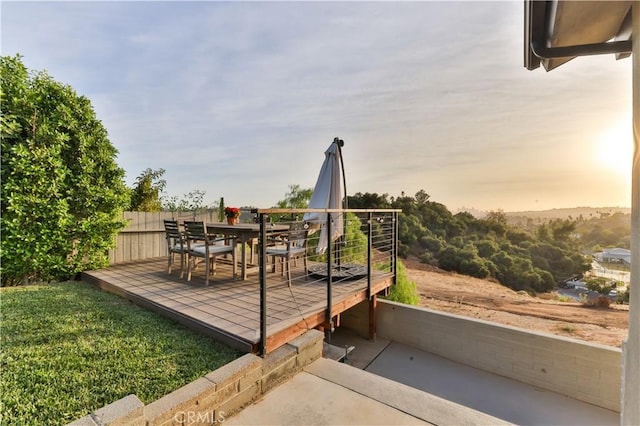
232, 214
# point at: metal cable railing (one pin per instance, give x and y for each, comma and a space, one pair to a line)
363, 254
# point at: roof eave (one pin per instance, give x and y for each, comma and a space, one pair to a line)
557, 31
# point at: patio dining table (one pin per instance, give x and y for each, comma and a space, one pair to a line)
244, 232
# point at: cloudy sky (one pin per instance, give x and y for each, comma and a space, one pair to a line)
241, 99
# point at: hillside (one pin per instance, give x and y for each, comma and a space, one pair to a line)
487, 300
574, 213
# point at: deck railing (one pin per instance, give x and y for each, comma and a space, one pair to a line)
366, 249
360, 263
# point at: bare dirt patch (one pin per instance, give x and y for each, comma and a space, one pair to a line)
491, 301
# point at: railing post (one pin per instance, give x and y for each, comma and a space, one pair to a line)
263, 283
394, 258
329, 272
369, 246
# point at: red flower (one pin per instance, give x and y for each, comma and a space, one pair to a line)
232, 212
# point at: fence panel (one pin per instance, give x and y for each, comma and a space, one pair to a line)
144, 236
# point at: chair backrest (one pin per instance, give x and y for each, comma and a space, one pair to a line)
172, 231
196, 231
297, 236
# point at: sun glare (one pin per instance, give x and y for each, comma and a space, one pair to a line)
615, 148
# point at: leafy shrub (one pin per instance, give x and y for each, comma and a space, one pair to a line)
487, 248
475, 267
405, 290
355, 249
465, 261
600, 285
432, 244
623, 296
429, 259
598, 302
532, 259
62, 192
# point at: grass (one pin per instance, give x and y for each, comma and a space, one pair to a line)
568, 329
69, 349
554, 295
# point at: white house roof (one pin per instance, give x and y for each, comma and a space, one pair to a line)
617, 252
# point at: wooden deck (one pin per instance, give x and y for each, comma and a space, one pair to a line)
229, 309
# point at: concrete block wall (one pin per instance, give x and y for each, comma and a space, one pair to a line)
218, 395
581, 370
357, 319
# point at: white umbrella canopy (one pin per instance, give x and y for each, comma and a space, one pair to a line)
327, 194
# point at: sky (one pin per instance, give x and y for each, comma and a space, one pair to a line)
241, 99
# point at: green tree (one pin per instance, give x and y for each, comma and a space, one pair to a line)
355, 247
296, 198
487, 248
369, 201
611, 231
496, 222
62, 191
189, 202
464, 260
600, 285
145, 195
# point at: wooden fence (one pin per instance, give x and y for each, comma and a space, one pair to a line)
144, 236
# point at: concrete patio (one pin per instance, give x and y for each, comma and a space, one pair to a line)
404, 385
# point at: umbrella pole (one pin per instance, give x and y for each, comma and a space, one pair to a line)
345, 202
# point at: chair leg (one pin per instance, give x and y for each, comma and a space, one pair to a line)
189, 268
182, 259
306, 270
170, 259
288, 261
206, 271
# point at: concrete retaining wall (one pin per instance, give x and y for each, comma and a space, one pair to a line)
583, 371
217, 395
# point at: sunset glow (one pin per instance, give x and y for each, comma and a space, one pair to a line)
260, 89
615, 148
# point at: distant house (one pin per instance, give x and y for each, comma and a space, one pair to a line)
615, 255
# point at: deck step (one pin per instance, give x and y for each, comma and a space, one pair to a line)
422, 405
336, 353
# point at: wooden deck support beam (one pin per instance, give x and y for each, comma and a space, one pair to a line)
373, 306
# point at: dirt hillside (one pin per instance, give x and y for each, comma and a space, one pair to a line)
491, 301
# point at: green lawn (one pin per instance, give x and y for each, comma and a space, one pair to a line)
68, 349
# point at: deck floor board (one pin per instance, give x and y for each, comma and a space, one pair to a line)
229, 307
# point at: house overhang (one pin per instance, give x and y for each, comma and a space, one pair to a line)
558, 31
555, 32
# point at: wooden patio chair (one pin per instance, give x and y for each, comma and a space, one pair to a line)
289, 248
201, 244
176, 244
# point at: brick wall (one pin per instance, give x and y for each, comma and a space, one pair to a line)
217, 395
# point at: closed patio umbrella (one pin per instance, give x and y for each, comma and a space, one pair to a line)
327, 194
